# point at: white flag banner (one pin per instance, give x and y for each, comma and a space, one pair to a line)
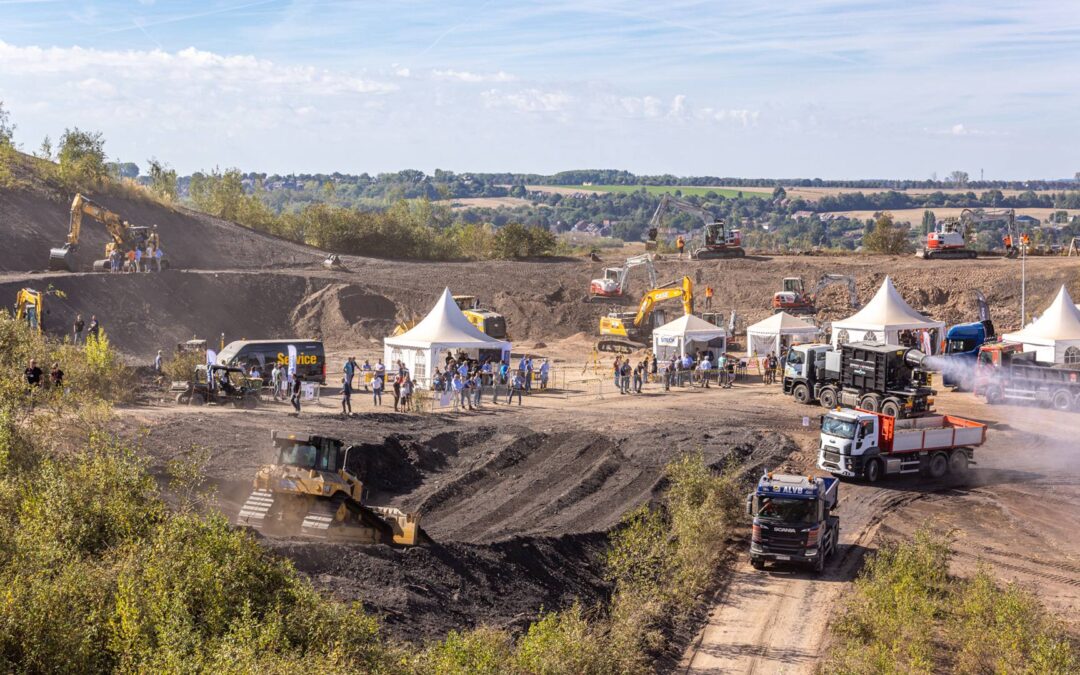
292, 361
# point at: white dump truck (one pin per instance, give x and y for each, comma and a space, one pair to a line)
869, 445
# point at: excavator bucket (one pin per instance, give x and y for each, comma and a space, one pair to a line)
61, 259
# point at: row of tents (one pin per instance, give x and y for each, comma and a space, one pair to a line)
1055, 335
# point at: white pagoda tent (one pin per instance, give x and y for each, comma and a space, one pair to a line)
1055, 335
444, 329
778, 331
687, 335
885, 318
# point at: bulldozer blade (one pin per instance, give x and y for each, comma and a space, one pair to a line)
60, 259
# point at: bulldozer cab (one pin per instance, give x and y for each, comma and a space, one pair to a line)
793, 285
316, 453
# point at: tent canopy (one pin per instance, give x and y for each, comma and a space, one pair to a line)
446, 326
1060, 321
782, 328
691, 326
685, 335
883, 318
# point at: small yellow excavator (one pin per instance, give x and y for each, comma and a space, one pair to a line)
309, 491
627, 332
487, 321
30, 307
123, 236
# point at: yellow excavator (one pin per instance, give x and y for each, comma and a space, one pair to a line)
627, 332
30, 307
309, 491
123, 236
487, 321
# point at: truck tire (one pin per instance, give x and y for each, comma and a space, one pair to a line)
993, 394
827, 398
871, 403
801, 393
757, 563
819, 564
196, 399
183, 397
938, 466
872, 470
958, 463
251, 402
891, 407
1062, 399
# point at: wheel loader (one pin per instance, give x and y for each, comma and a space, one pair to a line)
309, 491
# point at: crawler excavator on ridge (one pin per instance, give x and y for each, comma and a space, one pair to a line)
310, 491
123, 236
717, 239
794, 299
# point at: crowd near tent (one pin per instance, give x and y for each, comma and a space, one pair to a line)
1055, 335
688, 335
888, 318
778, 331
444, 329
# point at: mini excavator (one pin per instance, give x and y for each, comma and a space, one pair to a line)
123, 236
310, 491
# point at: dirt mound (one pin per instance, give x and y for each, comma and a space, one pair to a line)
32, 222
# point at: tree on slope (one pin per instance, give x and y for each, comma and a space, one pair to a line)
887, 237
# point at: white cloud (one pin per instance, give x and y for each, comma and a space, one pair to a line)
401, 71
740, 116
527, 100
958, 130
96, 87
466, 76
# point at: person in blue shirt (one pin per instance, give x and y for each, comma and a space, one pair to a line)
544, 371
516, 388
461, 397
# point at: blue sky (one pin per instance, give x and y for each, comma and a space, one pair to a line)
823, 88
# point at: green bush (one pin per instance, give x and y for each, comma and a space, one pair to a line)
483, 651
82, 159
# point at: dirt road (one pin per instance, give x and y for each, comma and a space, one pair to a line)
1017, 515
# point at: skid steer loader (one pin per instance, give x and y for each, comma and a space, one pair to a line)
309, 491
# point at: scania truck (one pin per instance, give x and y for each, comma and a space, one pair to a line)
793, 520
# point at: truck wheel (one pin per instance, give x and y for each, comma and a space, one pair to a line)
958, 463
872, 471
870, 403
993, 395
891, 407
819, 564
827, 398
1062, 400
938, 466
757, 564
801, 393
182, 398
196, 399
251, 402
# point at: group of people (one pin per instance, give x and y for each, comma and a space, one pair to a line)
138, 259
35, 376
80, 330
678, 370
465, 378
630, 379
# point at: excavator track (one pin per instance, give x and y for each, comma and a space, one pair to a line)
706, 254
620, 346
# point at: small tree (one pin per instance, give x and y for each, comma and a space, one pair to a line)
887, 237
779, 193
929, 222
82, 157
959, 178
46, 150
163, 180
7, 129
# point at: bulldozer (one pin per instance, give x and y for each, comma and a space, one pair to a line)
627, 332
487, 321
309, 491
794, 299
30, 307
123, 236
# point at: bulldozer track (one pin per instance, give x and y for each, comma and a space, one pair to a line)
1001, 560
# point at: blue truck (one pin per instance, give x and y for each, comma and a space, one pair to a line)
962, 344
793, 520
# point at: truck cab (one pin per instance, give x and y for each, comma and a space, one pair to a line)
802, 367
848, 439
962, 344
793, 520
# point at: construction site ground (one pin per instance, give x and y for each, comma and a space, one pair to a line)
518, 500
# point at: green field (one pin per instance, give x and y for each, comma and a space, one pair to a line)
661, 189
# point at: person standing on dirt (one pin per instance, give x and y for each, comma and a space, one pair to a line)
477, 388
294, 394
158, 255
458, 395
397, 392
33, 374
545, 370
346, 396
377, 388
708, 297
158, 362
516, 387
528, 374
77, 328
94, 328
680, 244
706, 370
366, 373
349, 370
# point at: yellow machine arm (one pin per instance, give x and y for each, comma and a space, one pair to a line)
112, 222
651, 298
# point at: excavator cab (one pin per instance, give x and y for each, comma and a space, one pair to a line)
793, 285
29, 307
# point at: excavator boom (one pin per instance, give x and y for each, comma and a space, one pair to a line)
619, 332
123, 236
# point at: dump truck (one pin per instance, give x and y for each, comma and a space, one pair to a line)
309, 491
868, 445
1005, 372
874, 376
793, 520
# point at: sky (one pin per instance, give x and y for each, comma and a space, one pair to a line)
812, 88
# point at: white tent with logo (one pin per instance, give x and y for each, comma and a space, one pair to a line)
888, 318
778, 331
1055, 335
444, 329
687, 335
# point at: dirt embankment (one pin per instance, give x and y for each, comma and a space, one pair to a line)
519, 518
